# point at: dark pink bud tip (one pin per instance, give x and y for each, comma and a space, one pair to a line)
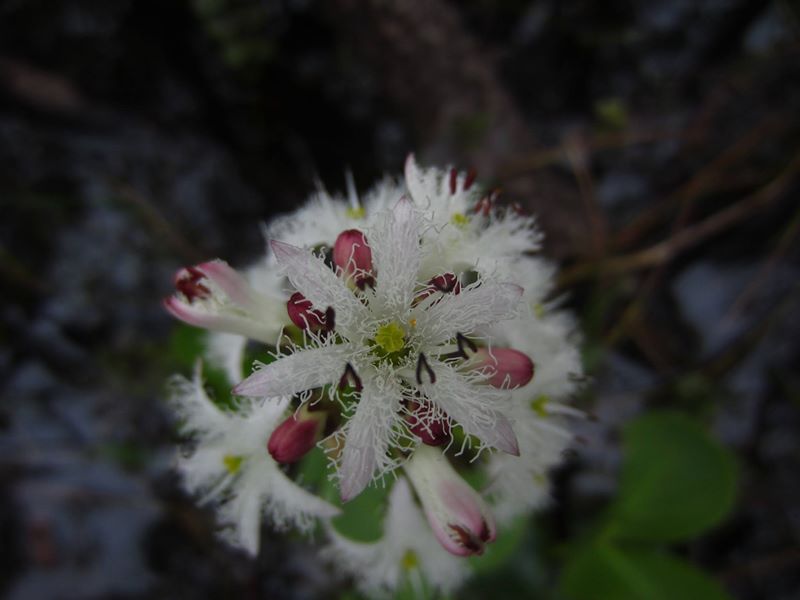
432, 431
446, 283
507, 367
295, 437
352, 255
302, 314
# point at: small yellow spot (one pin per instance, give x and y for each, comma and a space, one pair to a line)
356, 212
390, 337
539, 405
232, 462
538, 310
540, 478
412, 322
410, 560
460, 220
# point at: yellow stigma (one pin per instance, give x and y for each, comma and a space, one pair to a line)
356, 212
412, 323
232, 463
390, 337
460, 219
410, 560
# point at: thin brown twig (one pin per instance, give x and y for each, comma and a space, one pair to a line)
159, 224
578, 157
787, 237
702, 181
549, 156
693, 235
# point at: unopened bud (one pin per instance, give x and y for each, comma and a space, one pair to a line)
507, 368
431, 429
353, 256
296, 436
446, 283
459, 517
302, 314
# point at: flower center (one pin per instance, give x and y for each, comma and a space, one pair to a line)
390, 337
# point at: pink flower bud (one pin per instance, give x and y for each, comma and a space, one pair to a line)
296, 436
446, 283
431, 429
507, 368
353, 256
301, 313
459, 517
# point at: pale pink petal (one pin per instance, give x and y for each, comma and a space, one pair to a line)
195, 314
229, 281
369, 434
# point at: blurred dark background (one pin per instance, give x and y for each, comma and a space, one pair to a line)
658, 142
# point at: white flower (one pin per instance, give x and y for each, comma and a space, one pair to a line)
396, 343
230, 465
407, 550
412, 332
468, 232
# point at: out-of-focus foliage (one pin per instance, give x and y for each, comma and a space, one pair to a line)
608, 572
676, 482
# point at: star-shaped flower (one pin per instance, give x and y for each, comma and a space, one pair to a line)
400, 342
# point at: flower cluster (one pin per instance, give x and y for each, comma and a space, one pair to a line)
412, 344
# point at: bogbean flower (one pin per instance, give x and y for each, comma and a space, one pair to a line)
413, 343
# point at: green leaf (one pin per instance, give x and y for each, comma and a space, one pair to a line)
676, 481
186, 345
362, 518
602, 572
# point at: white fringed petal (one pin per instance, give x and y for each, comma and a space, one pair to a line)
298, 372
369, 433
476, 306
396, 255
319, 284
477, 408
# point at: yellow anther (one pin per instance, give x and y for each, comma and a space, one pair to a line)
460, 219
539, 405
409, 560
356, 212
232, 463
